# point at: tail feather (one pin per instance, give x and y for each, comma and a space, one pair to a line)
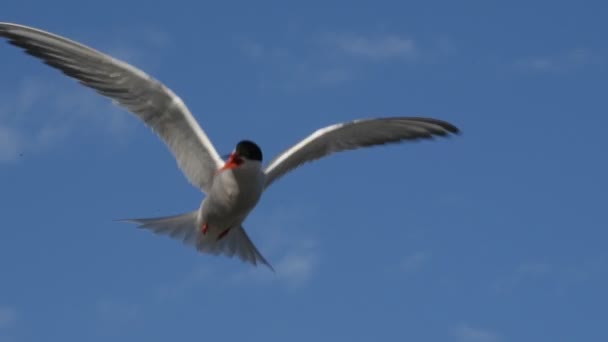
184, 227
245, 249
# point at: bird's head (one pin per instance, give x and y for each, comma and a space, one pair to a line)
245, 151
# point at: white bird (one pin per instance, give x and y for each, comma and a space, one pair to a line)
233, 187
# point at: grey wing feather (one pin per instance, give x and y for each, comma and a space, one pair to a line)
353, 135
130, 87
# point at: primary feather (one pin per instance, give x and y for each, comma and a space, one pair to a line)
147, 98
353, 135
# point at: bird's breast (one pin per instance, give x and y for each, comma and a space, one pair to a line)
233, 194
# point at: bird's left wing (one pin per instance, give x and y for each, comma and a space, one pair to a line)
142, 95
353, 135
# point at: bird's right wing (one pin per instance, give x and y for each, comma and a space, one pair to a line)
147, 98
353, 135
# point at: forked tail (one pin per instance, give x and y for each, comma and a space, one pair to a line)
184, 227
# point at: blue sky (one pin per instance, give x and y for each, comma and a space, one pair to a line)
495, 235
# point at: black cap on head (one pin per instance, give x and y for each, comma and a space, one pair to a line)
249, 150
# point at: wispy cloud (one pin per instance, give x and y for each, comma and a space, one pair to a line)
11, 143
296, 67
528, 272
296, 249
136, 46
116, 313
374, 48
561, 62
39, 113
468, 333
257, 50
297, 268
555, 277
330, 58
415, 261
295, 255
43, 114
294, 269
8, 317
199, 274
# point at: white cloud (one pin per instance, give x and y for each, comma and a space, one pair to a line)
297, 263
293, 270
293, 251
467, 333
415, 261
328, 59
200, 274
43, 114
376, 48
8, 317
297, 268
334, 76
116, 313
561, 62
140, 45
297, 250
11, 143
295, 258
296, 67
250, 48
555, 277
151, 37
524, 273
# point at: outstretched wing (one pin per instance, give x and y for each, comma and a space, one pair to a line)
353, 135
147, 98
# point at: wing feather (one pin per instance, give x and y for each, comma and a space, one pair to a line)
147, 98
353, 135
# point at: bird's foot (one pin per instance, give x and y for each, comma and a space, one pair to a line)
222, 234
204, 228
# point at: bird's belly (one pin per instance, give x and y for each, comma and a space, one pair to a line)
231, 198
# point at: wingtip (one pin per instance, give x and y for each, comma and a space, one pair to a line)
455, 130
451, 128
267, 264
447, 126
125, 220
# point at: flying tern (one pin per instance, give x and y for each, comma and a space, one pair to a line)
233, 187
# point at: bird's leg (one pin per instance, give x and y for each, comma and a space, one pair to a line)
222, 234
204, 228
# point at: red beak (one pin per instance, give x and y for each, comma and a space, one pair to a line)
233, 161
